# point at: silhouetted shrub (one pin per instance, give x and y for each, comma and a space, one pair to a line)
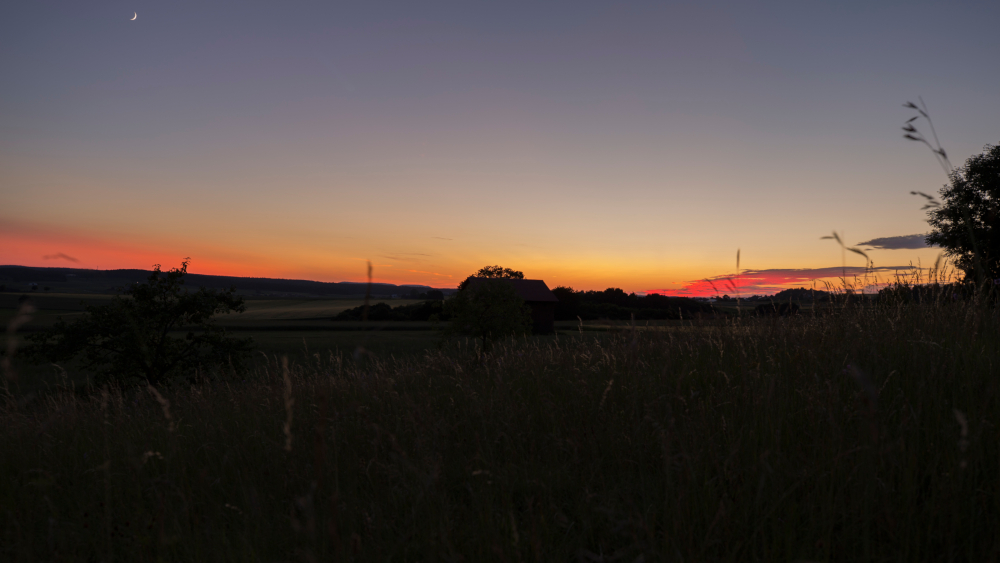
132, 339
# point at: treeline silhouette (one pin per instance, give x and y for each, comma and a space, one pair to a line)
927, 293
798, 294
431, 310
614, 304
611, 304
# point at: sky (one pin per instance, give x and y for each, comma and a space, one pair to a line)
638, 145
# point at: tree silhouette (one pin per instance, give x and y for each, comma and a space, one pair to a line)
966, 223
493, 272
489, 309
131, 338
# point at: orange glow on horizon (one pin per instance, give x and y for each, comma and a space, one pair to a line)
38, 247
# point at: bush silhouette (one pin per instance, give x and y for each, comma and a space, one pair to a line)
131, 339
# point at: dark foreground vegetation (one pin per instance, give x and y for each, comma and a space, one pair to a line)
866, 434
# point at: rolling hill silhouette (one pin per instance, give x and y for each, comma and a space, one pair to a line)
20, 278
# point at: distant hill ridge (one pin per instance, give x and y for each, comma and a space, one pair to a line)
19, 278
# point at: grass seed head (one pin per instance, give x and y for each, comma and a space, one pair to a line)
164, 404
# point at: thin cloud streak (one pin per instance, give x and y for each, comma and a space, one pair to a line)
407, 256
909, 242
430, 273
766, 282
60, 256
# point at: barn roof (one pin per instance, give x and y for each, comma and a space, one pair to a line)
529, 290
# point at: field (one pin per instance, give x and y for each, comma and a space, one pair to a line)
292, 327
278, 313
867, 434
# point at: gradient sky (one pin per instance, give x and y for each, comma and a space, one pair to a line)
591, 144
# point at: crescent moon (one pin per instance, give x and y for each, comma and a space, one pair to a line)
134, 16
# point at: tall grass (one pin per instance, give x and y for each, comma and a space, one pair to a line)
866, 434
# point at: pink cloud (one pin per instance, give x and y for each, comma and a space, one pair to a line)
768, 282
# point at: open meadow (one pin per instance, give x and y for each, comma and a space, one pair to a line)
261, 312
866, 434
290, 326
294, 327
